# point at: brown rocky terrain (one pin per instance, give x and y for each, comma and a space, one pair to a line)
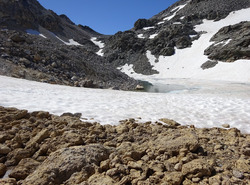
40, 148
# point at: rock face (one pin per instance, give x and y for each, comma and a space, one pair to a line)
49, 149
60, 165
36, 58
231, 43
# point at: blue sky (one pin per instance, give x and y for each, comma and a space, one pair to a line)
107, 16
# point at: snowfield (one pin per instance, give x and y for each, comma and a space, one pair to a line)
194, 104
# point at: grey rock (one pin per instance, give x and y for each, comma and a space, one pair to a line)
17, 37
226, 125
209, 64
141, 23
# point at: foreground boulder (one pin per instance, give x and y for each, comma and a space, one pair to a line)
60, 165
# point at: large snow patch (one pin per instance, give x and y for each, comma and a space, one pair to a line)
205, 107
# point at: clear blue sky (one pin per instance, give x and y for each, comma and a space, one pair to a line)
107, 16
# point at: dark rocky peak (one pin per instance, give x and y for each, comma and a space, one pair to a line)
214, 9
202, 9
65, 17
27, 14
88, 29
125, 41
37, 44
23, 15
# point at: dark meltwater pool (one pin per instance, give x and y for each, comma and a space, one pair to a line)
166, 88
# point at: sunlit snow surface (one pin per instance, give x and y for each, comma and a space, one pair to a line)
99, 44
204, 106
177, 9
140, 36
70, 43
148, 28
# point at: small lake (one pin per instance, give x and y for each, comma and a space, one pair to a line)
166, 88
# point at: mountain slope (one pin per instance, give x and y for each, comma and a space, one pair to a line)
171, 44
200, 39
37, 44
29, 14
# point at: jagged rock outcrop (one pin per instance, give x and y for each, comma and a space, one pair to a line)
231, 43
196, 10
175, 35
141, 23
44, 148
126, 48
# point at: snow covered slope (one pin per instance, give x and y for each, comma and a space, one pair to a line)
203, 106
186, 63
206, 40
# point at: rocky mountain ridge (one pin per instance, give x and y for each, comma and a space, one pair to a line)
38, 44
174, 28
